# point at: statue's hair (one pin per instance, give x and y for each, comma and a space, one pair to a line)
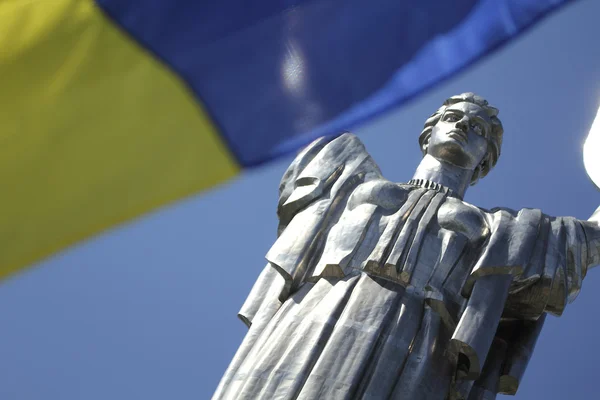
494, 141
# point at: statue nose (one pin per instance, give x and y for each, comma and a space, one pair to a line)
462, 125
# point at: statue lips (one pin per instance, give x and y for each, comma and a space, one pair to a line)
459, 135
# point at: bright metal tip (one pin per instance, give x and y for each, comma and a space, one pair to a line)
591, 152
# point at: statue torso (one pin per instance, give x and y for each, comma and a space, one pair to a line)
404, 233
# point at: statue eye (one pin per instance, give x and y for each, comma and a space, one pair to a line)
477, 128
451, 118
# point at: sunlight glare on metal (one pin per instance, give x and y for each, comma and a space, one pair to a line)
591, 153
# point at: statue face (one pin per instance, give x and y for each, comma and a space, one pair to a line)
460, 136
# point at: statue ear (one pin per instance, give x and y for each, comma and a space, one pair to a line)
486, 161
477, 174
425, 145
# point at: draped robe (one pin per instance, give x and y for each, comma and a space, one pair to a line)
377, 290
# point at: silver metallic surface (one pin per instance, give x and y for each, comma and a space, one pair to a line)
590, 151
380, 290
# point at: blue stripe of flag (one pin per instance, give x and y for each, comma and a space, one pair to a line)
275, 75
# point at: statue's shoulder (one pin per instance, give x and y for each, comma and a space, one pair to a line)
505, 218
455, 209
489, 215
380, 192
458, 215
318, 156
462, 206
325, 168
325, 160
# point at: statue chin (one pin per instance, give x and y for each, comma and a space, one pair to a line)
451, 152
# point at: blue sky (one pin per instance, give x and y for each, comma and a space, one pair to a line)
148, 310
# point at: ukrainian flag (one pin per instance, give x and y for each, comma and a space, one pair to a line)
111, 108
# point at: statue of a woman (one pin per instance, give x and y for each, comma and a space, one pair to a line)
380, 290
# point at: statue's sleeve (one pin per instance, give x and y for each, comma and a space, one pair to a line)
311, 196
553, 276
548, 258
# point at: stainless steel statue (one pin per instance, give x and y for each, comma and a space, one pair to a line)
380, 290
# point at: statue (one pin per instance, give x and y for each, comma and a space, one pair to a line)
380, 290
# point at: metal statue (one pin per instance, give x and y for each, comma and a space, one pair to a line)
383, 290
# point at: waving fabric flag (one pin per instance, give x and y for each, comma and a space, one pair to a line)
111, 108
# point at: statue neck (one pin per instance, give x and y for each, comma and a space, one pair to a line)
455, 178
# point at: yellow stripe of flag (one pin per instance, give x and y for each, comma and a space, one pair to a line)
93, 130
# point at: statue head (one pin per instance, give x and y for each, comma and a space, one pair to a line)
464, 131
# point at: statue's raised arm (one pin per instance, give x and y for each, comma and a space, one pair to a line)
377, 290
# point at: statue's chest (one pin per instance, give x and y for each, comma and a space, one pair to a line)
395, 206
412, 236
